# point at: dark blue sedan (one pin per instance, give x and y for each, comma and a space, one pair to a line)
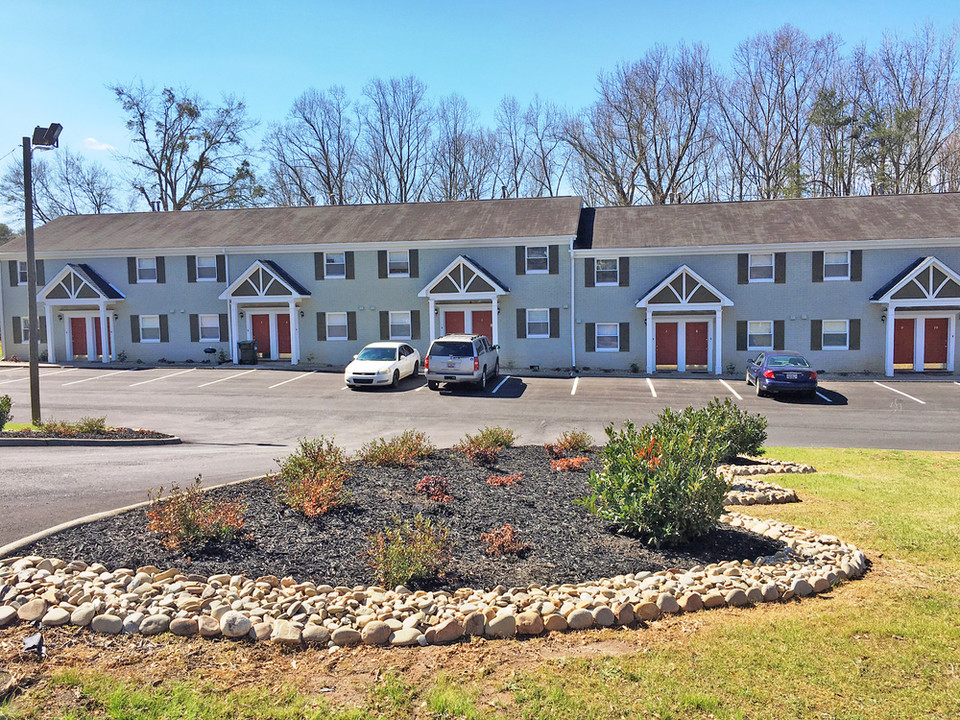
781, 371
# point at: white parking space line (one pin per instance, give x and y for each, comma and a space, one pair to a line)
650, 385
420, 388
42, 377
11, 369
576, 383
899, 392
229, 377
729, 387
824, 397
95, 377
164, 377
296, 377
501, 384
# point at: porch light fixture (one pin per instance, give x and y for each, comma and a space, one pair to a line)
44, 139
59, 316
116, 317
883, 316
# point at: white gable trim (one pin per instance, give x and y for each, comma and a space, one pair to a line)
463, 294
74, 300
684, 302
931, 298
228, 294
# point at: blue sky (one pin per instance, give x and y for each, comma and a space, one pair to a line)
59, 56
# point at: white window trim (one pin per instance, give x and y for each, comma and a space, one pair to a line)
392, 274
538, 335
216, 325
345, 326
25, 330
22, 272
760, 348
596, 273
823, 332
596, 336
772, 266
409, 323
837, 277
536, 271
327, 275
142, 280
205, 257
150, 340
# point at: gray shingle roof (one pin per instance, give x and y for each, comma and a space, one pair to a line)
265, 227
872, 217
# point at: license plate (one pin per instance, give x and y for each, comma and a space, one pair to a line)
792, 376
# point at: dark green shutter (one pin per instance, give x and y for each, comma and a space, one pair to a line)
779, 268
521, 253
351, 325
624, 337
415, 325
161, 270
384, 325
853, 338
382, 263
321, 326
521, 323
43, 329
778, 332
164, 328
554, 322
194, 328
741, 335
413, 256
743, 269
132, 271
590, 336
191, 268
14, 273
17, 330
350, 269
224, 327
818, 266
856, 265
221, 268
589, 272
135, 328
816, 334
318, 266
41, 281
624, 272
553, 259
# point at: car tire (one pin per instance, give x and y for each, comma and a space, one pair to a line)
433, 385
496, 369
760, 392
416, 370
482, 382
396, 379
747, 378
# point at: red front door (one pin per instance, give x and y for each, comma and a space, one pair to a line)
903, 329
483, 323
96, 334
283, 334
935, 341
78, 334
453, 321
666, 344
261, 334
696, 346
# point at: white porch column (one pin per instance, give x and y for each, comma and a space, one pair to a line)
51, 338
717, 343
294, 334
104, 333
888, 352
234, 331
651, 343
113, 337
433, 318
496, 323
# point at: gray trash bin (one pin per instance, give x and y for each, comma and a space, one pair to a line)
247, 350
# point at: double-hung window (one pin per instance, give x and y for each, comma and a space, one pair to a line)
538, 323
147, 272
400, 325
761, 267
608, 337
21, 272
836, 334
760, 335
336, 326
25, 329
209, 325
150, 328
836, 265
607, 272
335, 265
537, 259
398, 263
206, 268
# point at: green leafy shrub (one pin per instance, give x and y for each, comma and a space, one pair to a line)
484, 447
403, 450
311, 478
91, 425
83, 426
5, 414
739, 433
572, 442
417, 550
188, 517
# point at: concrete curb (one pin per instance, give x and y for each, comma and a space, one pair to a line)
90, 442
12, 547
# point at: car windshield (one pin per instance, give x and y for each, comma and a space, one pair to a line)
452, 349
377, 353
787, 361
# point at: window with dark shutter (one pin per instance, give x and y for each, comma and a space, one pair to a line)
521, 323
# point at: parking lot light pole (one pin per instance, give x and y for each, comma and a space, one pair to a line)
42, 138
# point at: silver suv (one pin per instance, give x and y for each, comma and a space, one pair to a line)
461, 359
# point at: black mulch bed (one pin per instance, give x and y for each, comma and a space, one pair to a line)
109, 434
568, 544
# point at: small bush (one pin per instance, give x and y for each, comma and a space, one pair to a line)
403, 450
5, 414
502, 480
569, 464
738, 432
570, 441
311, 478
188, 517
91, 425
484, 447
417, 550
503, 541
435, 486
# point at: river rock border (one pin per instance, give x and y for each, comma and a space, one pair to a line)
747, 489
51, 592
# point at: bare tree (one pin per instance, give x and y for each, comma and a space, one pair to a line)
514, 165
189, 155
547, 155
464, 154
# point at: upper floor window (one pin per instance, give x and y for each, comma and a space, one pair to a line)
538, 259
398, 263
607, 272
209, 324
836, 265
206, 267
760, 335
835, 334
335, 265
400, 325
336, 326
150, 328
538, 323
22, 272
761, 267
147, 272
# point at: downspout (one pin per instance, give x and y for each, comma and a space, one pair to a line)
231, 331
3, 320
573, 319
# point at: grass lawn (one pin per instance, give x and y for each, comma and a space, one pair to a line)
886, 646
12, 426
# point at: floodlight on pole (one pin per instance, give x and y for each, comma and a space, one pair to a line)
42, 138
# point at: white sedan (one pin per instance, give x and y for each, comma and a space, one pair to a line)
382, 363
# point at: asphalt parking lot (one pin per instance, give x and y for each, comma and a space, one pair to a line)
235, 421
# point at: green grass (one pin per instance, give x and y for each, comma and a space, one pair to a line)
882, 648
11, 426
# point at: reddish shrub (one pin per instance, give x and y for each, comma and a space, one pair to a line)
501, 480
189, 517
569, 464
435, 486
503, 540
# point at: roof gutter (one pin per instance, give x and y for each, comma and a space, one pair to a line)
573, 318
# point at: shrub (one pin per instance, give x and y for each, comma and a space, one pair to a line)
189, 517
91, 425
417, 550
501, 480
435, 486
503, 540
570, 441
739, 433
660, 481
484, 447
569, 464
311, 478
5, 414
403, 450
